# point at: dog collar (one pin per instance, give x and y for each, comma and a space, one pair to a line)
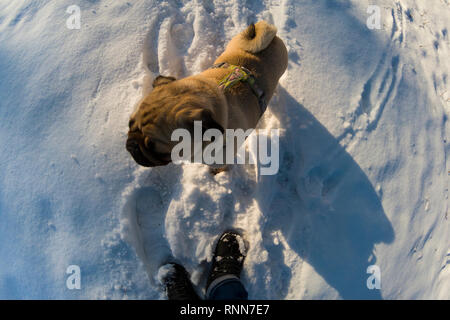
241, 74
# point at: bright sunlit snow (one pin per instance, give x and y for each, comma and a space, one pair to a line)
364, 170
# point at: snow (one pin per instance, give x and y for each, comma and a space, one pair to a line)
242, 246
165, 271
363, 179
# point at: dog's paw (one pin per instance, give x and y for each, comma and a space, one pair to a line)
216, 170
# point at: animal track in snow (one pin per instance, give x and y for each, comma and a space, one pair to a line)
381, 88
144, 207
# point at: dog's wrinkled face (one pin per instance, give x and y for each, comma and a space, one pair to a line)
171, 105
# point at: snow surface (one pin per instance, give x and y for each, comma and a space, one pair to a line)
364, 150
167, 270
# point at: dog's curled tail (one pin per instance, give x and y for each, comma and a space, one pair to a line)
256, 37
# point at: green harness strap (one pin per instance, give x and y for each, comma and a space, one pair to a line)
241, 74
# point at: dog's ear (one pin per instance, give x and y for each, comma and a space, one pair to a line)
160, 80
208, 121
204, 115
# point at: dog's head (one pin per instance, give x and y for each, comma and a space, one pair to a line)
171, 105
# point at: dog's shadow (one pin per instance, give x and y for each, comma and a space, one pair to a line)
323, 204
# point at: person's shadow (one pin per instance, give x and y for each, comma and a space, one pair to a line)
323, 204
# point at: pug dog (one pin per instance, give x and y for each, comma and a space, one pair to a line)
174, 104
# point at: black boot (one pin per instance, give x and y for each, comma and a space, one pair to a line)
228, 257
177, 282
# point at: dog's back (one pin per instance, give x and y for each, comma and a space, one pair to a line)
261, 51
